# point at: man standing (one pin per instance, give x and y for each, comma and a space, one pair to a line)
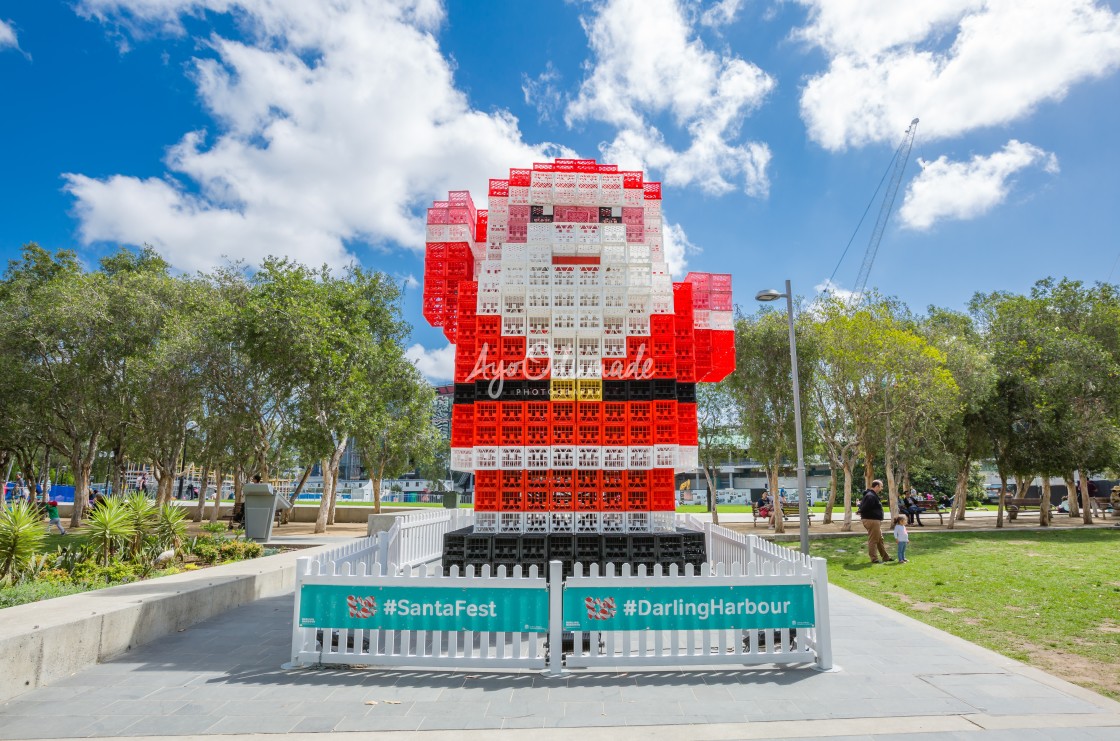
871, 515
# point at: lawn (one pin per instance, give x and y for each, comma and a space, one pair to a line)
1050, 599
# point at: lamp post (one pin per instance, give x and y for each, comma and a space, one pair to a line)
802, 497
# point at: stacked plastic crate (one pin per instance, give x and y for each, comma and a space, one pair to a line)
576, 355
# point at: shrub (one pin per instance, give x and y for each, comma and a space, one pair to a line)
21, 535
143, 515
239, 550
110, 527
171, 527
214, 528
117, 572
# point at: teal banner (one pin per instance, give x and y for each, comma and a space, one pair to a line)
423, 608
689, 608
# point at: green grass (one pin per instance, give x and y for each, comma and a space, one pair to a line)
1051, 599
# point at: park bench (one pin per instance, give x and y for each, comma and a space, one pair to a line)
1024, 504
1106, 507
788, 511
930, 507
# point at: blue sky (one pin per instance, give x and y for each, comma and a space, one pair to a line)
242, 128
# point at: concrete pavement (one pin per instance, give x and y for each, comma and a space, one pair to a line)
897, 677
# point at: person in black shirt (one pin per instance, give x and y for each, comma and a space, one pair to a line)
871, 515
911, 509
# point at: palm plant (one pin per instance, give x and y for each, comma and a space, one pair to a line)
110, 527
21, 535
171, 527
143, 515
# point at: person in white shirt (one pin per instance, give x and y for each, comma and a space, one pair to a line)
901, 537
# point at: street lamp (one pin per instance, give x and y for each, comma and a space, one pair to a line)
772, 294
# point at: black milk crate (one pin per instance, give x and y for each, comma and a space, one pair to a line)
693, 544
513, 391
670, 548
650, 565
534, 548
686, 392
616, 550
561, 547
537, 390
588, 550
448, 563
505, 548
477, 549
639, 391
482, 390
464, 393
454, 544
664, 388
615, 391
542, 568
643, 548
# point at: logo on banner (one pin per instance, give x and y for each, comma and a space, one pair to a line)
361, 607
600, 609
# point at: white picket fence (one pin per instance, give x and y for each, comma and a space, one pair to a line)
408, 555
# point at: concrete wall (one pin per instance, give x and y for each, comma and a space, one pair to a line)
300, 513
46, 641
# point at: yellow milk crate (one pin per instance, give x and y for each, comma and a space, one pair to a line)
588, 389
562, 390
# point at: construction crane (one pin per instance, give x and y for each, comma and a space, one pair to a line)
895, 169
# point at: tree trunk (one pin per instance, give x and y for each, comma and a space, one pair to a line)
219, 480
1071, 495
82, 472
336, 459
1086, 504
165, 487
868, 469
201, 508
962, 488
1002, 498
776, 515
1044, 504
377, 488
831, 491
238, 485
892, 492
962, 484
324, 499
847, 526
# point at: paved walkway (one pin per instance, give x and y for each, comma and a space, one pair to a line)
897, 677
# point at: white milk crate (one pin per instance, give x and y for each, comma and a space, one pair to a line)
589, 347
462, 459
588, 250
614, 457
564, 297
486, 458
610, 189
564, 322
539, 255
590, 322
513, 254
688, 458
511, 522
563, 456
513, 326
536, 522
563, 348
539, 325
664, 456
513, 304
511, 458
632, 197
563, 276
614, 300
702, 319
639, 457
589, 457
637, 522
486, 522
537, 458
663, 522
564, 187
437, 232
564, 369
514, 276
489, 303
539, 234
614, 347
638, 253
660, 303
459, 233
519, 195
538, 298
539, 276
564, 234
590, 297
612, 253
589, 369
614, 275
587, 522
637, 326
614, 325
561, 522
721, 320
612, 522
588, 234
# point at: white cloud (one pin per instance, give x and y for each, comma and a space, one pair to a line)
647, 63
677, 249
8, 36
721, 13
965, 190
436, 365
959, 65
543, 92
410, 281
335, 122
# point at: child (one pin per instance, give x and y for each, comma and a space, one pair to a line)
901, 537
52, 514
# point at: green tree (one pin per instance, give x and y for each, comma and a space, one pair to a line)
718, 430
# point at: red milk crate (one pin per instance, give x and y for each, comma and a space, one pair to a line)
434, 269
499, 188
513, 349
665, 431
462, 426
614, 434
538, 433
467, 333
686, 371
721, 281
589, 433
613, 500
460, 271
512, 500
686, 424
663, 347
652, 191
537, 369
636, 411
513, 412
588, 500
537, 491
614, 412
589, 412
486, 498
561, 488
661, 325
487, 434
436, 250
639, 433
637, 491
511, 479
664, 368
563, 433
638, 347
563, 412
512, 434
665, 410
489, 330
520, 177
720, 300
486, 412
490, 479
536, 412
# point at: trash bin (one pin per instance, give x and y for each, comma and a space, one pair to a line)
451, 500
260, 510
